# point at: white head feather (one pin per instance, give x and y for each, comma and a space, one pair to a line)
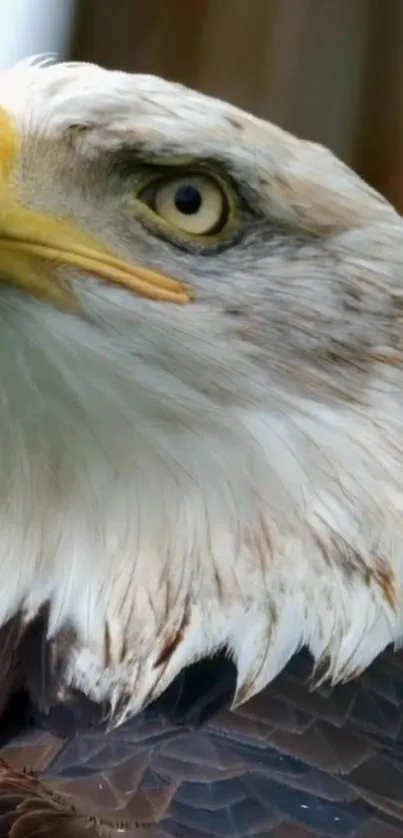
175, 479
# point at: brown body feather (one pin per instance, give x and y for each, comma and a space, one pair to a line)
30, 808
291, 763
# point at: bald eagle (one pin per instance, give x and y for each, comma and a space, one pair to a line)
201, 463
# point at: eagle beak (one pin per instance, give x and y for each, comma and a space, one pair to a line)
34, 244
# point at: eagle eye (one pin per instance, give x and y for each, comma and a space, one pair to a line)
190, 204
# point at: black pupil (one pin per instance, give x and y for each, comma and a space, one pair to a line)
187, 199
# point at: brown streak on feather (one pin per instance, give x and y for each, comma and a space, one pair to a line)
107, 645
173, 640
218, 583
235, 123
124, 649
385, 578
350, 560
260, 544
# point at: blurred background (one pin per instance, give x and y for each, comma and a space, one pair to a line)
328, 70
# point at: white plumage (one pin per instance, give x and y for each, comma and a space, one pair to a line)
227, 472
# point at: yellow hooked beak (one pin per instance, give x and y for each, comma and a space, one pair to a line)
34, 244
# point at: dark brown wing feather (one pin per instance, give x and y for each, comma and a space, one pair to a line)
291, 763
29, 808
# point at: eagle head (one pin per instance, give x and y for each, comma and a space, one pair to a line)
201, 391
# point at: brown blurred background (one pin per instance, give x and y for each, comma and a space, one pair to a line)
329, 70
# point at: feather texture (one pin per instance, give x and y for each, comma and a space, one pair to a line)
195, 499
291, 763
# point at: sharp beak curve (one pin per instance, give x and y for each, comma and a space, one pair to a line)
33, 245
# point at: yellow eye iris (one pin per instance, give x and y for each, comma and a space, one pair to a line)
195, 205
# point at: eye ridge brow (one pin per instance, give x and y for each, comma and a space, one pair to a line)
128, 159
